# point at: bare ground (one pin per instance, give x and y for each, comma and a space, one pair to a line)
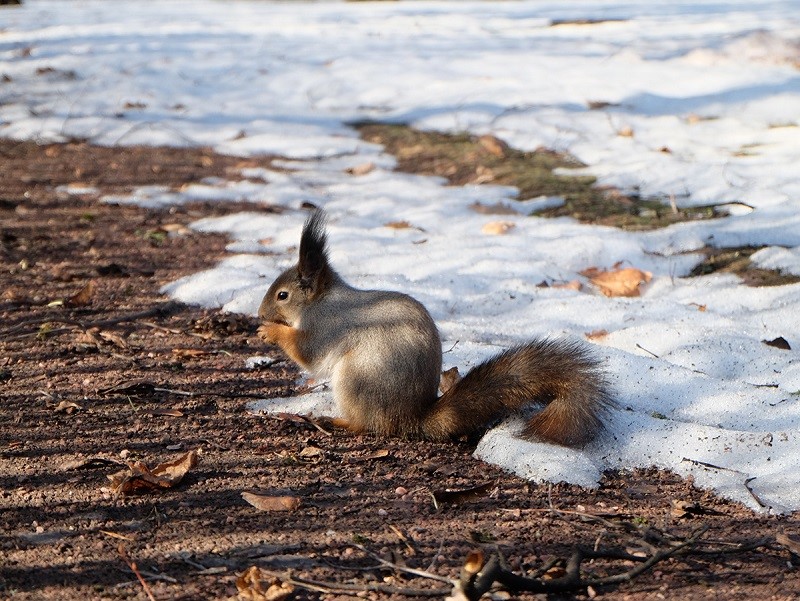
65, 346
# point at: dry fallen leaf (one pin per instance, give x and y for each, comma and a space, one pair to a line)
462, 495
361, 169
554, 572
379, 454
67, 407
685, 509
311, 453
571, 285
618, 282
138, 477
788, 541
779, 342
113, 338
130, 388
82, 297
271, 503
497, 228
189, 353
494, 145
597, 334
167, 412
449, 378
474, 562
398, 225
176, 229
483, 175
498, 208
253, 586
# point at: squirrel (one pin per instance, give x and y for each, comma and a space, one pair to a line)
383, 354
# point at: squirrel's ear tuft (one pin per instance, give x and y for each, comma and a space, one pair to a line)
313, 264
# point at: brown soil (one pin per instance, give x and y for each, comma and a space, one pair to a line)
65, 345
463, 159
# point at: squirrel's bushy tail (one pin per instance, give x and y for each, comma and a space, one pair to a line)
559, 374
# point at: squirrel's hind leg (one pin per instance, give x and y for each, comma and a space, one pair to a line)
338, 423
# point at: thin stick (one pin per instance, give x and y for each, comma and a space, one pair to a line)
161, 309
335, 587
135, 570
394, 566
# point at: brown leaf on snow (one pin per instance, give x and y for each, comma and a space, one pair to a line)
618, 282
361, 169
253, 586
398, 225
498, 208
597, 334
272, 503
779, 342
139, 478
571, 285
82, 297
497, 228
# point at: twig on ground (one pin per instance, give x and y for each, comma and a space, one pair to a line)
399, 568
756, 498
336, 587
746, 482
473, 584
162, 309
135, 570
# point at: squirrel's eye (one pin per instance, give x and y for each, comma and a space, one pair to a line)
283, 295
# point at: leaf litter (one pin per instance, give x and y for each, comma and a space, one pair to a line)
344, 497
138, 478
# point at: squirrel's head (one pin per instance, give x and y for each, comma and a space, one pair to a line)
301, 285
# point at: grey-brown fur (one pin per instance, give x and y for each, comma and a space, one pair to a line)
383, 354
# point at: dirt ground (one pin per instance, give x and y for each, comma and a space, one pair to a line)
98, 368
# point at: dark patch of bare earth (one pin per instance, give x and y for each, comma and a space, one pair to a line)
65, 347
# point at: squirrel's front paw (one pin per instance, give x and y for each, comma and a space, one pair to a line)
272, 332
288, 338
